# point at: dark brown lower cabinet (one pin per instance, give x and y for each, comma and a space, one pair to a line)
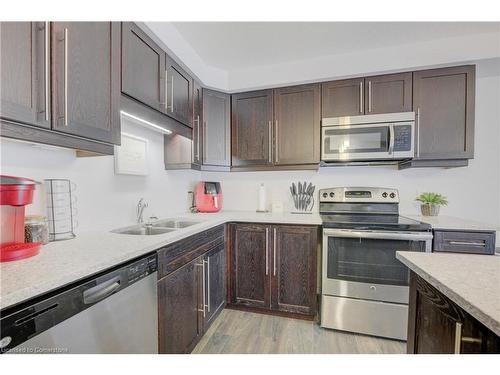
436, 325
191, 289
179, 302
273, 268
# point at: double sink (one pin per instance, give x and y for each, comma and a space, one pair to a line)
156, 227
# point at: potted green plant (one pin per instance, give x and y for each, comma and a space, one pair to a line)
431, 202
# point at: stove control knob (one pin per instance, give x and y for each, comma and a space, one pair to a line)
384, 194
325, 195
332, 194
392, 195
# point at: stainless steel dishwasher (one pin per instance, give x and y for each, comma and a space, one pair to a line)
115, 312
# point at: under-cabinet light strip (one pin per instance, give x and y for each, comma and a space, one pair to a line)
145, 122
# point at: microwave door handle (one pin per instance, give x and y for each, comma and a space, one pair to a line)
391, 139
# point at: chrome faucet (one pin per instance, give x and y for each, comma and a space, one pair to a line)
140, 210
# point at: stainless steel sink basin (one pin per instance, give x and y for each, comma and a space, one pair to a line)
144, 230
172, 223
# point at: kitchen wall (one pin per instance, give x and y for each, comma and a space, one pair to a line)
104, 200
107, 201
473, 191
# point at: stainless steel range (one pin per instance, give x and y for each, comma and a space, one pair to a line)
364, 287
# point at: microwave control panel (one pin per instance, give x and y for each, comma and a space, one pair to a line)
402, 137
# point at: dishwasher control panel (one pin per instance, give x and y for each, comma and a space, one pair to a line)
142, 268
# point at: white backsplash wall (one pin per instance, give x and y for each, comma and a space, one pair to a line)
104, 200
473, 191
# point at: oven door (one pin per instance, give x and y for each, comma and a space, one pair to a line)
357, 142
362, 264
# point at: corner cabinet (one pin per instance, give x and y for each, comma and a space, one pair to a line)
436, 325
272, 268
60, 84
216, 134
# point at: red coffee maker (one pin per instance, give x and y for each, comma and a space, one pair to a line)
208, 197
15, 194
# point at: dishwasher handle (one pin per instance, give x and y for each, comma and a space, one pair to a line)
101, 291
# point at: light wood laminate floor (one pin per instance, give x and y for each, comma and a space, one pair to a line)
240, 332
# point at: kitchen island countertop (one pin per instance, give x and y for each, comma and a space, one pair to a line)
471, 281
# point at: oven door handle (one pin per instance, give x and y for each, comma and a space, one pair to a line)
407, 236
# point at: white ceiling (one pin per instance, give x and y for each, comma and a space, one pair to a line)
241, 45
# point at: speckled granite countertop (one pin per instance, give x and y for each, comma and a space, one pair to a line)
471, 281
64, 262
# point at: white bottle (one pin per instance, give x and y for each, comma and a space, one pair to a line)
262, 198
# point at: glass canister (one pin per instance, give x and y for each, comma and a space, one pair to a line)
36, 229
60, 208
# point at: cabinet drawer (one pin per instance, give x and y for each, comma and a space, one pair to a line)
174, 256
464, 242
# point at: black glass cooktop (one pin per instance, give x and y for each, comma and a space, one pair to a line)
372, 221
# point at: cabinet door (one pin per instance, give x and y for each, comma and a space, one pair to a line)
197, 121
294, 269
216, 133
25, 72
443, 100
297, 124
86, 79
342, 98
179, 305
215, 283
388, 93
250, 265
179, 93
251, 125
143, 67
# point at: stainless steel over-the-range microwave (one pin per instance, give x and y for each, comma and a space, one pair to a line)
377, 137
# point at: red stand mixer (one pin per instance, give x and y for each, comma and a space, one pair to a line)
15, 194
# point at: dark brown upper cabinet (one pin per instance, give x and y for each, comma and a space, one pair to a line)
388, 93
293, 286
250, 265
443, 100
25, 72
197, 123
342, 98
179, 94
180, 324
86, 79
216, 134
143, 67
369, 95
297, 125
252, 129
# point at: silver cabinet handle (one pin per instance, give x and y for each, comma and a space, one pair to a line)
276, 135
208, 283
361, 94
66, 36
202, 265
267, 251
458, 337
274, 252
369, 96
467, 243
418, 132
197, 121
270, 156
47, 70
165, 103
172, 94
